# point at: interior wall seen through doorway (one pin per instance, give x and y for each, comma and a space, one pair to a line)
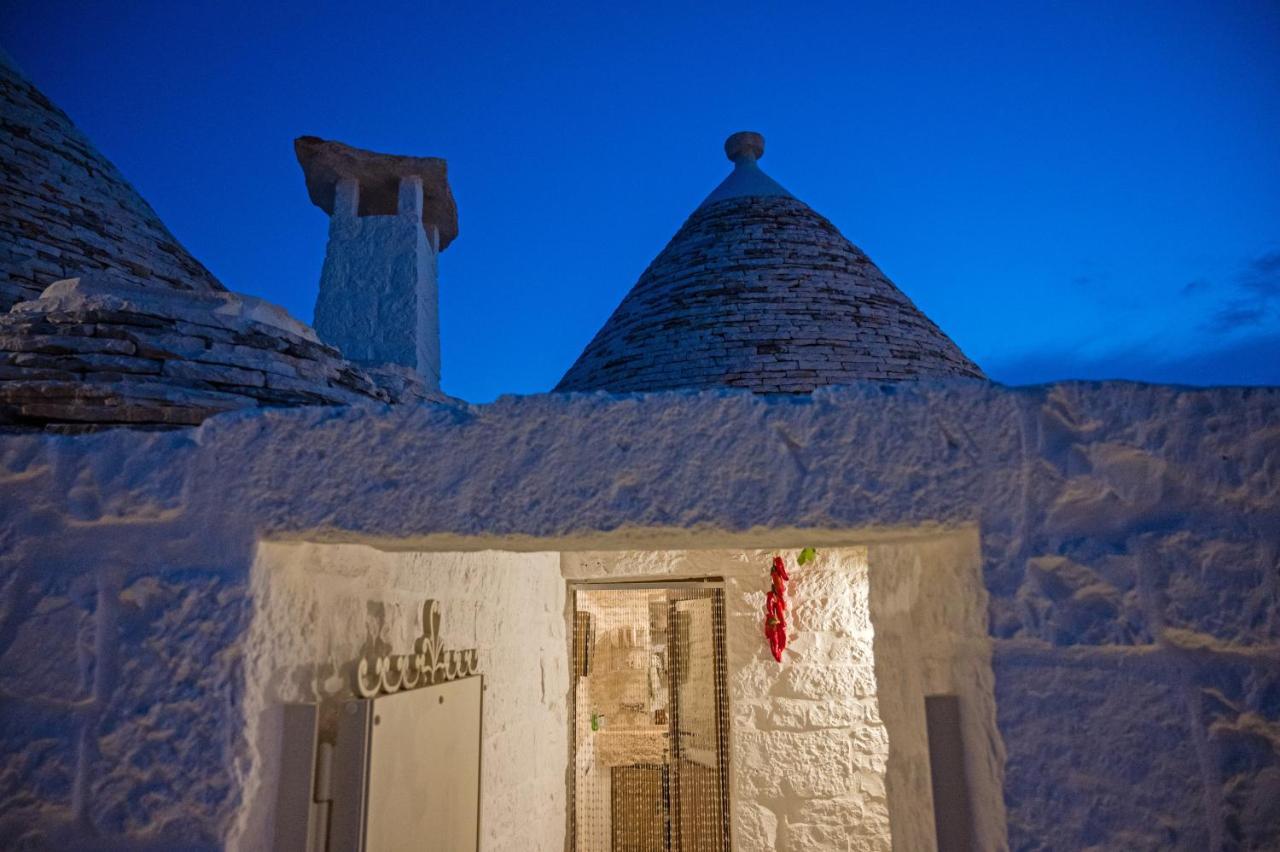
807, 748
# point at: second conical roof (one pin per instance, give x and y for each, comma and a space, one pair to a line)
758, 291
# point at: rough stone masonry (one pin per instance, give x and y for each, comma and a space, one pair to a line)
1129, 541
390, 217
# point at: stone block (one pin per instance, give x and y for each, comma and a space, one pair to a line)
830, 648
171, 733
1100, 751
810, 764
787, 714
825, 682
215, 374
844, 822
844, 714
38, 772
755, 826
1219, 585
50, 344
1239, 713
267, 360
125, 488
802, 715
158, 344
87, 362
1066, 603
828, 601
805, 836
52, 655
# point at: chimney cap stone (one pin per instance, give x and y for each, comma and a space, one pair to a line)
325, 162
745, 144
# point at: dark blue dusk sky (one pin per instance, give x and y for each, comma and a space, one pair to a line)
1069, 190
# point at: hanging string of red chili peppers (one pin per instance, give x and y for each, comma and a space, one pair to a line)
775, 603
775, 610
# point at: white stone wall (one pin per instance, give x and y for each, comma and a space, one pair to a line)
379, 293
929, 609
120, 680
1129, 534
808, 750
315, 606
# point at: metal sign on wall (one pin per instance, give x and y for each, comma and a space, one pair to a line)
429, 663
403, 771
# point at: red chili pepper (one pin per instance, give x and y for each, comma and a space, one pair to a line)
775, 607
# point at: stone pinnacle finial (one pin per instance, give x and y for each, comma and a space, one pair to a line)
744, 145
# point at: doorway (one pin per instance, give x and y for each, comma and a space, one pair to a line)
650, 718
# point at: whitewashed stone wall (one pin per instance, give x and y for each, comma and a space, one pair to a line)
316, 606
929, 609
1130, 545
808, 750
379, 291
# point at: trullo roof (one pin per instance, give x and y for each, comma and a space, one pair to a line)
758, 291
65, 210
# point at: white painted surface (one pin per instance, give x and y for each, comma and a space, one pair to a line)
1128, 547
379, 298
424, 770
747, 179
315, 608
929, 609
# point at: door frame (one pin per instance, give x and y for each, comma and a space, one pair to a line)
713, 583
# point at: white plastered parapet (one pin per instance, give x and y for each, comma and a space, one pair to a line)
1128, 538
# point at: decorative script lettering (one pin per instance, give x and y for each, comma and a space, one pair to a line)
429, 663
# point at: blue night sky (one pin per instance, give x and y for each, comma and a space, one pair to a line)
1069, 190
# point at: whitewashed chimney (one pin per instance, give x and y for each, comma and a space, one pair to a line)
390, 217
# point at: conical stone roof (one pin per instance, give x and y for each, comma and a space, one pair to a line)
758, 291
65, 210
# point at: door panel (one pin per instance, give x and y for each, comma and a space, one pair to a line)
650, 771
698, 742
